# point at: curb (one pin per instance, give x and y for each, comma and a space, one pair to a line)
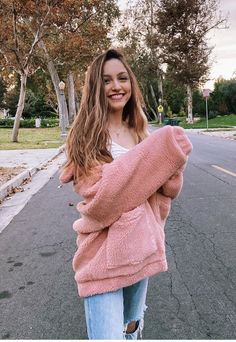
7, 188
210, 132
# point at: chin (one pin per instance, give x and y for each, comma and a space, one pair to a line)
116, 108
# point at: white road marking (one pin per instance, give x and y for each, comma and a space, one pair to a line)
224, 170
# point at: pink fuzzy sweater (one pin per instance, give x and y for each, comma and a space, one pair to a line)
123, 213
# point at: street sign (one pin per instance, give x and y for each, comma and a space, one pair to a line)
160, 110
206, 92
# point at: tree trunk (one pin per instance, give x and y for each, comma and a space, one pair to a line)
77, 102
160, 85
66, 114
55, 80
151, 109
154, 97
20, 106
71, 97
190, 104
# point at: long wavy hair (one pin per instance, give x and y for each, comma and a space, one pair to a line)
88, 139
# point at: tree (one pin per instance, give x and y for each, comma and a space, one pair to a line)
174, 94
135, 34
40, 98
2, 92
78, 34
224, 96
24, 24
17, 43
183, 26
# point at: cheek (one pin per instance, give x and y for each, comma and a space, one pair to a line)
129, 92
129, 89
106, 90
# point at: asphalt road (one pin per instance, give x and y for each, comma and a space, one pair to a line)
195, 299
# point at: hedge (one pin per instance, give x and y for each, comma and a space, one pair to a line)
29, 123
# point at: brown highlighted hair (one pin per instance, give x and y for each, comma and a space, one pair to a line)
88, 139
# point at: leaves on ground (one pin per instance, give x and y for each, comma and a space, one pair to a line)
7, 173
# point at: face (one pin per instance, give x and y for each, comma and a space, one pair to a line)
117, 84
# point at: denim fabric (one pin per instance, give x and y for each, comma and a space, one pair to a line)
108, 314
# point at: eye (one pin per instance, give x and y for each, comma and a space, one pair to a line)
124, 78
106, 81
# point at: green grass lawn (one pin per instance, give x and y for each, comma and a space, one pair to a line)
224, 122
31, 138
227, 121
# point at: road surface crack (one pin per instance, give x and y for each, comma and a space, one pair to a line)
211, 174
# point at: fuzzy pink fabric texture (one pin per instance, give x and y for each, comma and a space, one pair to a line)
125, 205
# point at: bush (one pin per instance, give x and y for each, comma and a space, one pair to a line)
182, 112
35, 104
50, 122
6, 123
29, 123
48, 115
169, 112
212, 114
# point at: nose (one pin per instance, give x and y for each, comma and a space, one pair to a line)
116, 85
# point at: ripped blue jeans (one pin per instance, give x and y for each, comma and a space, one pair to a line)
108, 314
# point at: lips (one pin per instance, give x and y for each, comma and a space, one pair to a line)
116, 96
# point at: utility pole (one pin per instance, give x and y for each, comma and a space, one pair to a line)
62, 100
206, 94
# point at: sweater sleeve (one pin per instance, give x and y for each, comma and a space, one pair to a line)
66, 174
173, 186
133, 177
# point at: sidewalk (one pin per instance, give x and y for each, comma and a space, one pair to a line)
15, 193
24, 164
26, 158
215, 132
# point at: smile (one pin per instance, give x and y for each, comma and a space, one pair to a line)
116, 96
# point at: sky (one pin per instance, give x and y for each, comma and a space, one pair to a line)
223, 56
224, 52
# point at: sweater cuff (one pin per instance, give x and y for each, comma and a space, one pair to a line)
66, 174
182, 140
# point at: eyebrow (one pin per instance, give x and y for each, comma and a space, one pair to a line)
120, 73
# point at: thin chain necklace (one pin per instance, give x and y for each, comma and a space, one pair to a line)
117, 131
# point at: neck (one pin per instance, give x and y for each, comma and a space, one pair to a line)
115, 119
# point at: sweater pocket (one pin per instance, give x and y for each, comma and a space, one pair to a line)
130, 239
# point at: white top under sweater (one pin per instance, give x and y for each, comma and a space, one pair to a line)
117, 150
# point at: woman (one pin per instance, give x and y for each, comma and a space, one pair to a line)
127, 180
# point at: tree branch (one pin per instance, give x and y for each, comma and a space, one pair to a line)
14, 26
83, 22
37, 37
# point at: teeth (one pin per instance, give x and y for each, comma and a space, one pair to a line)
117, 97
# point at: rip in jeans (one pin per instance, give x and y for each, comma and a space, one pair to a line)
138, 328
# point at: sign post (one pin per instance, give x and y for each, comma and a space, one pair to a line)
62, 100
206, 94
160, 110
